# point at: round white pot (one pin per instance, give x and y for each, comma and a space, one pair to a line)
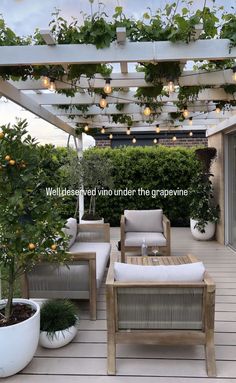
209, 231
90, 221
59, 339
19, 342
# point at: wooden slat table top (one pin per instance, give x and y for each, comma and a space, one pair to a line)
156, 260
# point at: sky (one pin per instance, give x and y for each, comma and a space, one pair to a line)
24, 16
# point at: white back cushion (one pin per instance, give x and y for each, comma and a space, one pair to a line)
71, 230
190, 272
144, 220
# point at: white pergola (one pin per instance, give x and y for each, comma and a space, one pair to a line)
33, 96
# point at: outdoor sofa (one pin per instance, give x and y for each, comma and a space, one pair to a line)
81, 277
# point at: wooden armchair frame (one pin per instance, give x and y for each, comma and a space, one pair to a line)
165, 250
205, 336
90, 257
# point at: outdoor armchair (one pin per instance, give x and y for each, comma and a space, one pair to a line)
82, 276
151, 225
160, 312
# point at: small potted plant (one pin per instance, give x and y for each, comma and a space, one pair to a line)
30, 228
204, 211
58, 323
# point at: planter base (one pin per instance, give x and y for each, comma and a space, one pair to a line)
209, 231
59, 339
19, 342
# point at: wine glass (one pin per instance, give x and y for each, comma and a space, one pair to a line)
155, 250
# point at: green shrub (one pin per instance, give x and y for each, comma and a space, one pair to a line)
56, 315
153, 168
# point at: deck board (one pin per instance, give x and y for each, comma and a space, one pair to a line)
84, 360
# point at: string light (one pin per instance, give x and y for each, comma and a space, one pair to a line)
128, 131
171, 87
111, 136
46, 81
107, 88
155, 141
185, 112
86, 128
174, 138
103, 102
134, 140
190, 121
190, 134
158, 129
103, 130
218, 108
234, 73
52, 86
147, 111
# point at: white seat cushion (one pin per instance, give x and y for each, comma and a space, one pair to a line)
190, 272
102, 250
152, 239
144, 220
71, 230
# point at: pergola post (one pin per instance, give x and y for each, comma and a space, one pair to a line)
79, 148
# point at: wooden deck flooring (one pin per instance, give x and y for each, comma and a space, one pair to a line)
84, 360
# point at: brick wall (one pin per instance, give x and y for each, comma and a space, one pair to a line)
103, 143
187, 142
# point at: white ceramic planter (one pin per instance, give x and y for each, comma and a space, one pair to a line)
92, 222
59, 339
209, 231
19, 342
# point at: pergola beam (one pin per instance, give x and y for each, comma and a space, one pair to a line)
10, 92
135, 79
131, 109
47, 36
122, 98
214, 49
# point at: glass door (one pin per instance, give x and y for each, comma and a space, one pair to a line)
232, 190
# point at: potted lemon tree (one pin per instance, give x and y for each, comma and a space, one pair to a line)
30, 230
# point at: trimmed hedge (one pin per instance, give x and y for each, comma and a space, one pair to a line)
152, 168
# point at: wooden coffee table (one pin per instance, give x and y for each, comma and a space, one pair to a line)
156, 260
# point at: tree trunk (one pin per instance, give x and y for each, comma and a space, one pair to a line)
11, 278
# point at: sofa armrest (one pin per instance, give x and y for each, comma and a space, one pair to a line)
101, 228
122, 237
166, 232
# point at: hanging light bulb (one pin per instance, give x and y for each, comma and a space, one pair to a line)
103, 102
111, 136
86, 128
218, 108
174, 138
190, 134
134, 140
171, 87
147, 111
107, 88
103, 130
46, 81
234, 73
155, 141
128, 131
185, 112
190, 121
158, 129
52, 86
